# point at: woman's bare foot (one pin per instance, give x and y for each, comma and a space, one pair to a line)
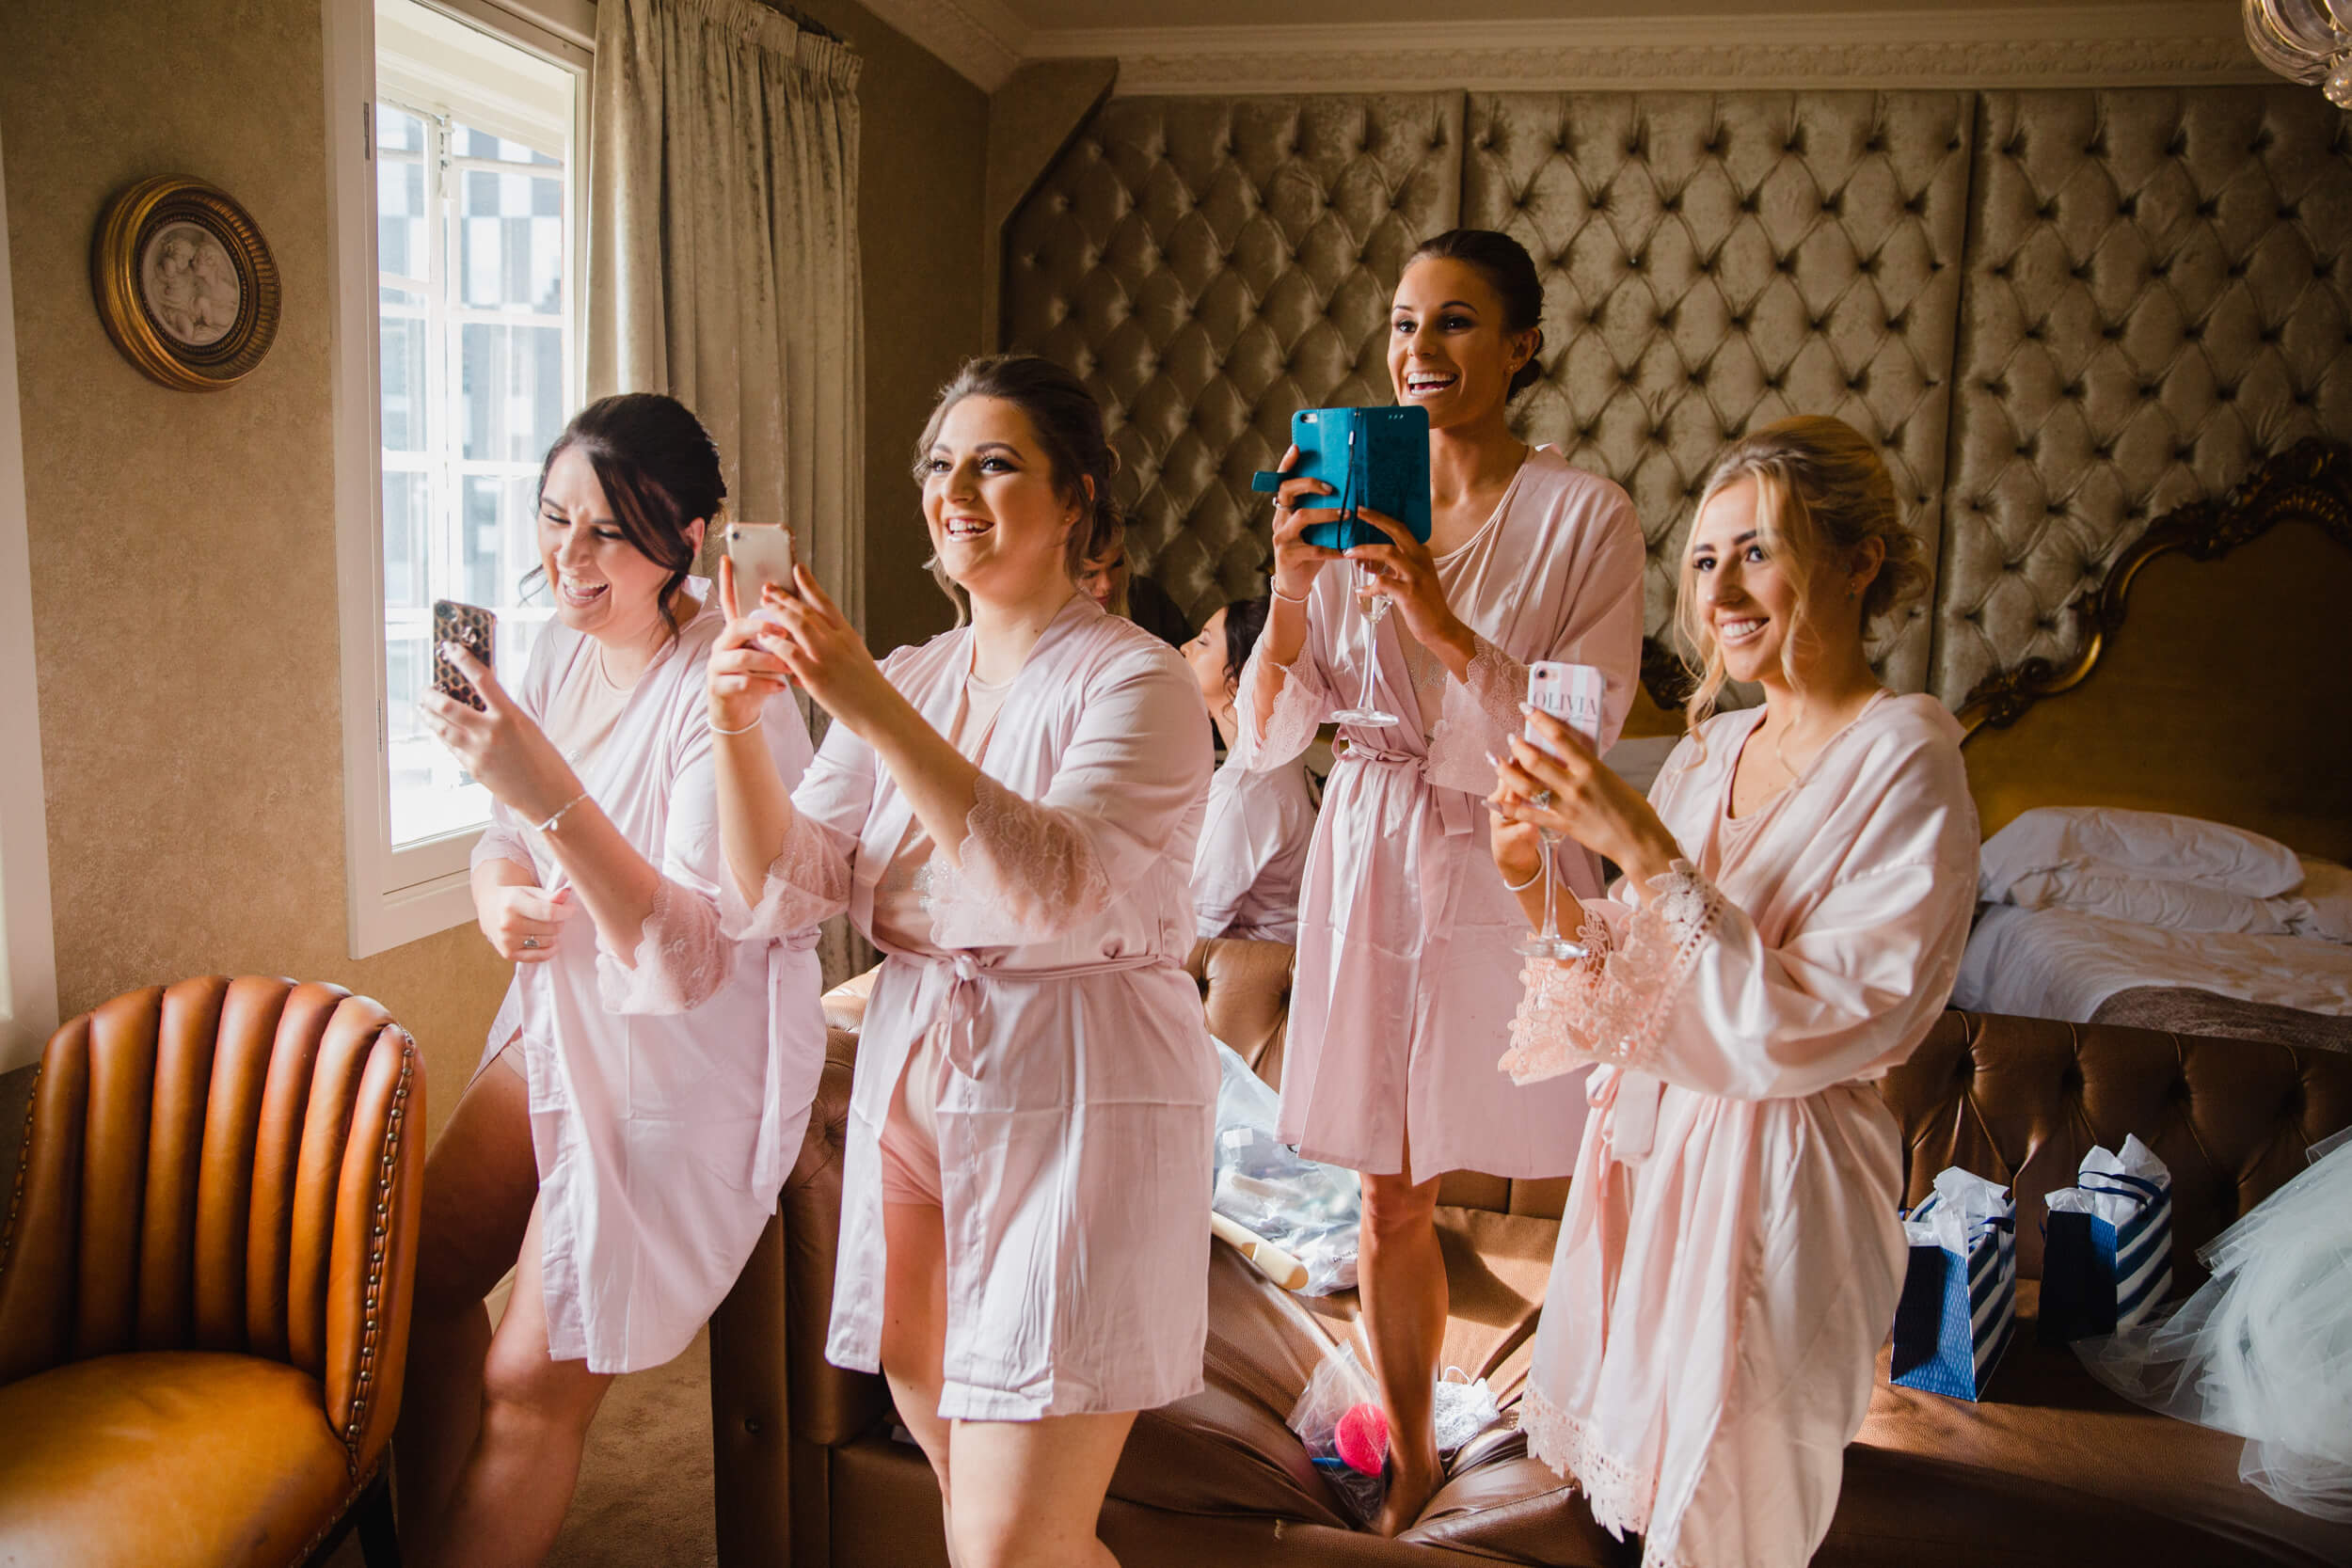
1411, 1487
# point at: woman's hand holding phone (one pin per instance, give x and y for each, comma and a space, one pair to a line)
1296, 562
807, 633
744, 673
1586, 800
1405, 574
500, 745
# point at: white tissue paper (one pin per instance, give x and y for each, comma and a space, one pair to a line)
1963, 1202
2117, 1208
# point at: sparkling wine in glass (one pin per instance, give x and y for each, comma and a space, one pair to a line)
1369, 608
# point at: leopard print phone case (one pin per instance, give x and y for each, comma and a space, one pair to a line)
470, 627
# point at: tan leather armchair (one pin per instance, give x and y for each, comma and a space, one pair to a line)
204, 1279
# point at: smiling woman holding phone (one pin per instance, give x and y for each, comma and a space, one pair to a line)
1406, 969
647, 1080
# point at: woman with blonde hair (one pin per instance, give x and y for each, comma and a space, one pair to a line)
1797, 891
1009, 811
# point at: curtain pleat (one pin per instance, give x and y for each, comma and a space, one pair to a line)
722, 266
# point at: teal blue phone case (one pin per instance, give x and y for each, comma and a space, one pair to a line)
1376, 458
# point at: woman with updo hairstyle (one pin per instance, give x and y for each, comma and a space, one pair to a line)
1008, 812
1796, 893
1406, 969
648, 1081
1259, 826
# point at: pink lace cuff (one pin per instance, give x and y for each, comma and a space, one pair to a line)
807, 882
1609, 1005
1299, 704
1028, 875
1475, 716
681, 959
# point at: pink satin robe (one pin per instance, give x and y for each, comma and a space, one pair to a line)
1075, 1128
1254, 838
667, 1100
1406, 975
1731, 1256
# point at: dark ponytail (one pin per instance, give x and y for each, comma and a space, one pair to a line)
660, 471
1245, 619
1508, 269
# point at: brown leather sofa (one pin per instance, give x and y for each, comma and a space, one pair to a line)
205, 1278
2051, 1470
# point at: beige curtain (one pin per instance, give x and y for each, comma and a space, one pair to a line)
723, 265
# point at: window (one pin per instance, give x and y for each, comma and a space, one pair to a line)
28, 969
458, 247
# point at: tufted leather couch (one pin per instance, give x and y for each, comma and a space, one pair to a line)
2053, 1471
205, 1278
2059, 314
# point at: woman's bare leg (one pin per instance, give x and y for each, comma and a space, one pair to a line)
510, 1498
914, 1336
1400, 1276
1032, 1491
480, 1181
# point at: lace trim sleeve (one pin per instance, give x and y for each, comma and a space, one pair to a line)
1609, 1005
1477, 714
681, 957
808, 882
1028, 874
1299, 705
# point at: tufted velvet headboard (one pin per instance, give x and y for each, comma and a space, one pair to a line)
2133, 293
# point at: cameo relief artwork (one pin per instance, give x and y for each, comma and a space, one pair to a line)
190, 285
185, 283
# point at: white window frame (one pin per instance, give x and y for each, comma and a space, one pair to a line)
396, 896
29, 943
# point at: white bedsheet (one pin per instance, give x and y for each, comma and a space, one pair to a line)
2060, 963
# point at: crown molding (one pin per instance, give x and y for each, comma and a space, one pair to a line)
2052, 46
982, 39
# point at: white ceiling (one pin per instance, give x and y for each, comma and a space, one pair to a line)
1103, 15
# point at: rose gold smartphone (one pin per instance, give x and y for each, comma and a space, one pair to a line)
762, 553
472, 628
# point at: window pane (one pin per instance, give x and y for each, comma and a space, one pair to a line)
397, 130
401, 242
511, 239
408, 557
469, 142
511, 397
401, 362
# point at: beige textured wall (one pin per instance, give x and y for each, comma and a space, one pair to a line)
184, 545
922, 165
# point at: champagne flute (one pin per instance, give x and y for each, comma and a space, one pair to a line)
1548, 943
1371, 607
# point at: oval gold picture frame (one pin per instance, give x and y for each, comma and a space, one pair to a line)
185, 283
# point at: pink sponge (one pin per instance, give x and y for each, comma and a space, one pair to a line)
1362, 1438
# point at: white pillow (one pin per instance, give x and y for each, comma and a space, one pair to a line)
2095, 887
2322, 905
2145, 844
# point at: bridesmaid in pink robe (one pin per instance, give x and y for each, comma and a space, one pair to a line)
1406, 973
1798, 890
1009, 812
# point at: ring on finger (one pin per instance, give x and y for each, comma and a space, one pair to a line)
1541, 800
530, 941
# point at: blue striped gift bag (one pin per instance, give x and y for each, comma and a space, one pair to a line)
2107, 1245
1959, 1306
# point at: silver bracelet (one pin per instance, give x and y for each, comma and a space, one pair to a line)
745, 730
1286, 598
548, 825
1533, 878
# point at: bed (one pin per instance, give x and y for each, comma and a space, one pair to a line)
2222, 697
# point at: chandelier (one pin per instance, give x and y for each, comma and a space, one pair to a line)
2305, 41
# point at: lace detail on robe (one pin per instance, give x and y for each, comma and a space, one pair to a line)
807, 882
1608, 1006
1476, 715
1620, 1497
681, 959
1300, 704
1029, 874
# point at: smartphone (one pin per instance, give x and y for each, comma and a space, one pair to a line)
762, 553
1571, 693
472, 628
1370, 457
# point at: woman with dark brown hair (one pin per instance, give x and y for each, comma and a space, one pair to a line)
648, 1081
1009, 811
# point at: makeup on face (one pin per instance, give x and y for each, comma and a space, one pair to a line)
1449, 351
989, 496
602, 584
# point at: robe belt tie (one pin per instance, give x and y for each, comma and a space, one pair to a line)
1625, 1116
957, 976
1453, 807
